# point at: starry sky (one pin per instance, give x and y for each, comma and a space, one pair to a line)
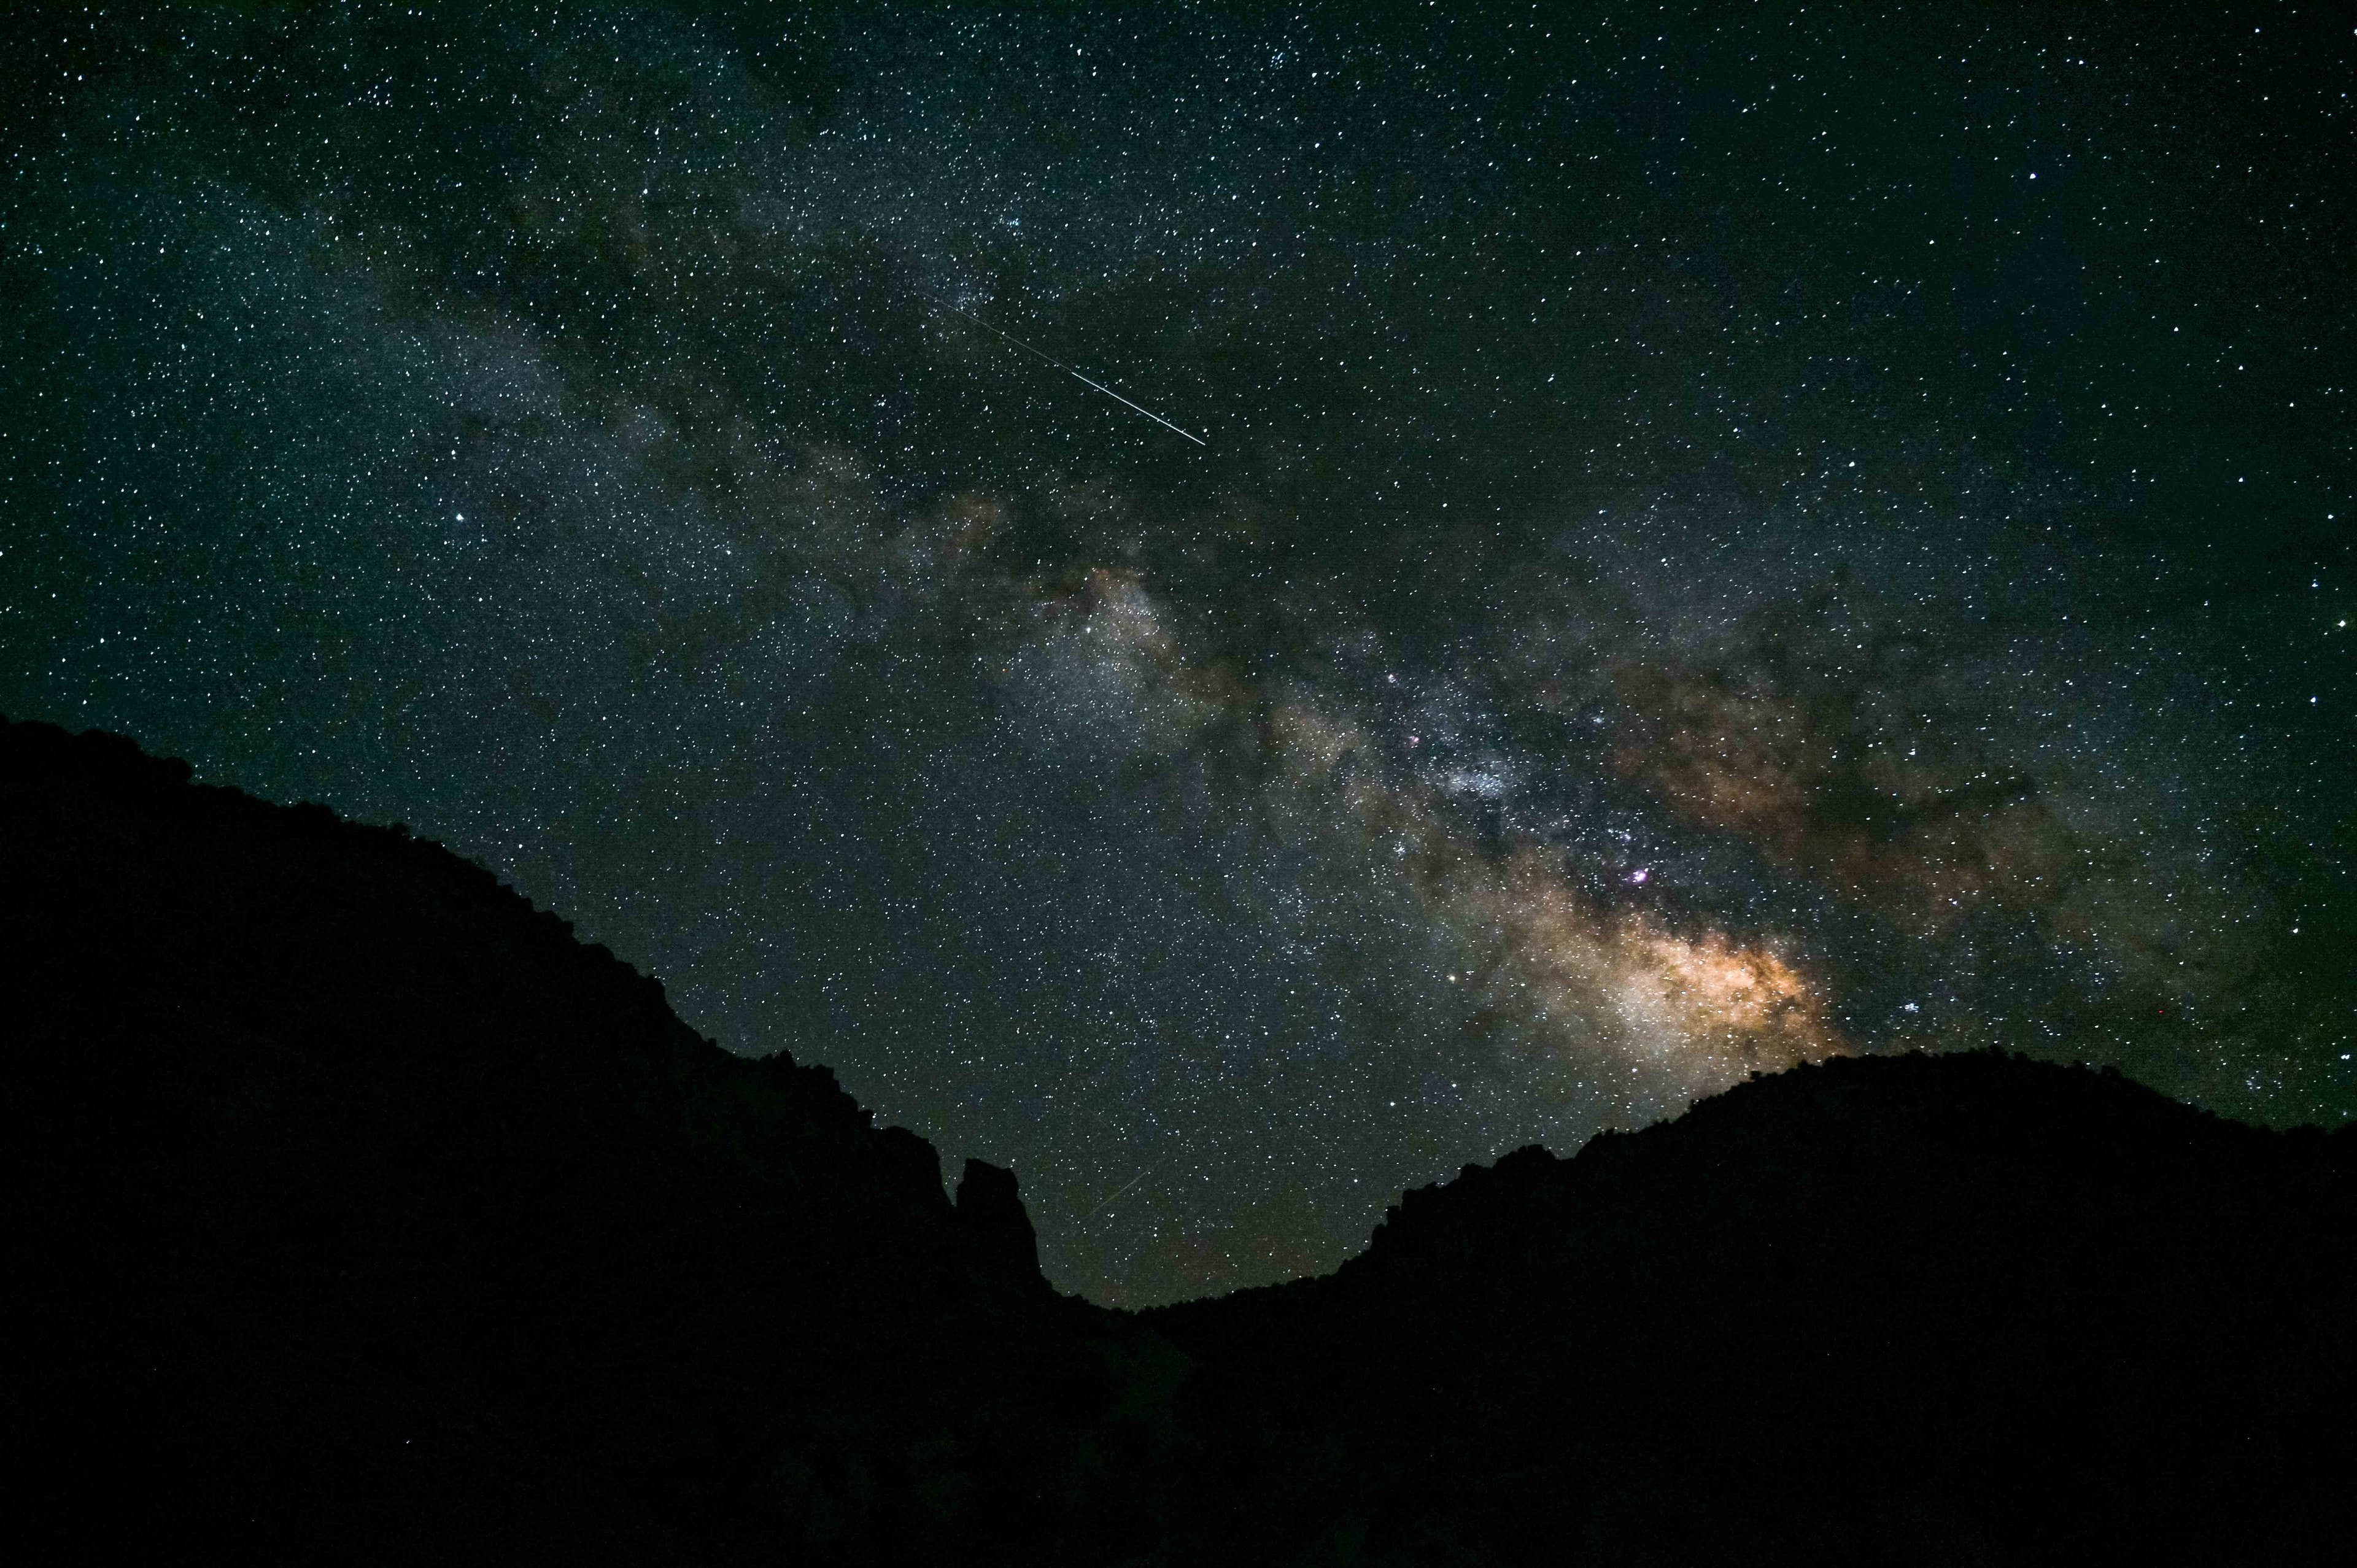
1721, 535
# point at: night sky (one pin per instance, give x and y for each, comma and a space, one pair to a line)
1722, 536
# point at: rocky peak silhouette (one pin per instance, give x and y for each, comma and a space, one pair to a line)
990, 1208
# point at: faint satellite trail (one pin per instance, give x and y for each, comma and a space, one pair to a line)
1059, 364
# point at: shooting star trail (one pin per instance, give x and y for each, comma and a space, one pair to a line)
1068, 369
1141, 1176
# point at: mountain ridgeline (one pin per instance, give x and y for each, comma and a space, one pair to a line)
357, 1212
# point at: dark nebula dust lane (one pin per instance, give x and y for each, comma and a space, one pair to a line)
1675, 543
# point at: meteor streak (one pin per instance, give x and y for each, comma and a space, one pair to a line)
1068, 369
1149, 1170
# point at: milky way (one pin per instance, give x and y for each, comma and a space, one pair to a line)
1716, 544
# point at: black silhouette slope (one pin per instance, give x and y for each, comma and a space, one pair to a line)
1959, 1309
357, 1212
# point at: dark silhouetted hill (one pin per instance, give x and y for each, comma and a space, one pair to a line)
357, 1212
1964, 1309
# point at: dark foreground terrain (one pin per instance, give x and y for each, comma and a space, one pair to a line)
357, 1212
